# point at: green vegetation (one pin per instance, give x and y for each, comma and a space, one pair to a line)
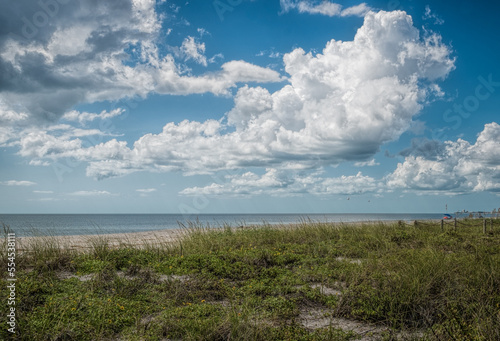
389, 281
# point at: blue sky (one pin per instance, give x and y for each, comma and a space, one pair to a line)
291, 106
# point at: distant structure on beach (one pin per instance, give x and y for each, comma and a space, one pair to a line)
480, 214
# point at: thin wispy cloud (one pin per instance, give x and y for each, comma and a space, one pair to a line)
45, 199
146, 190
22, 183
325, 7
84, 117
429, 15
370, 163
193, 50
92, 193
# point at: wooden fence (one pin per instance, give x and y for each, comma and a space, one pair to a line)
484, 223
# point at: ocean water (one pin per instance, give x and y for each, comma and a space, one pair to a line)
78, 224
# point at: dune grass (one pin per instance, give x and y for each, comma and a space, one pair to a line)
259, 283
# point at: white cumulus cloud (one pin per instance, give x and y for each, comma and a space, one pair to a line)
453, 166
95, 51
340, 105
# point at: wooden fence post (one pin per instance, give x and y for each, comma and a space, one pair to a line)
415, 223
491, 224
442, 225
455, 225
484, 226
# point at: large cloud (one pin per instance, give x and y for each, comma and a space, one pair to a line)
340, 105
55, 54
432, 167
454, 166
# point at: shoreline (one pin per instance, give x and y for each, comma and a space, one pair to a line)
157, 237
91, 224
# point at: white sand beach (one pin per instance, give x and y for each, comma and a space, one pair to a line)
83, 242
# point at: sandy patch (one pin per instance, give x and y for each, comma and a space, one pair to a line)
326, 290
349, 260
180, 278
321, 318
224, 303
87, 242
84, 278
67, 275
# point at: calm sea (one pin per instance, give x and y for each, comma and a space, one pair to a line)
76, 224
